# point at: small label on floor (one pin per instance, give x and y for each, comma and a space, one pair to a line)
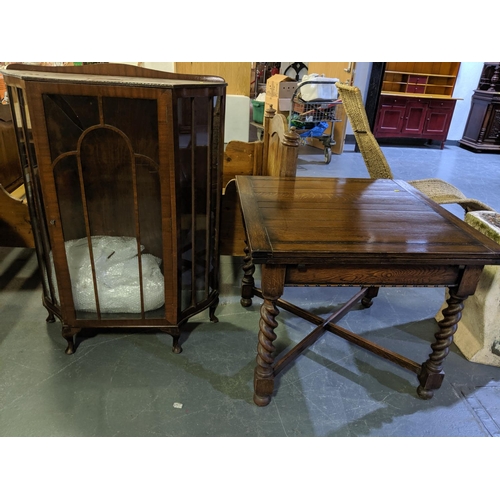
177, 405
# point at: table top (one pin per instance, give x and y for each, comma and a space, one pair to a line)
348, 221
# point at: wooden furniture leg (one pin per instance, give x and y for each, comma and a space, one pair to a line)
371, 293
247, 282
432, 374
211, 311
264, 373
69, 335
273, 279
176, 335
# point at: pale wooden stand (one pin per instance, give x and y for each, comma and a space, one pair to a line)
275, 156
15, 226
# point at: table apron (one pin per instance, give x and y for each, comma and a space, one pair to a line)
374, 275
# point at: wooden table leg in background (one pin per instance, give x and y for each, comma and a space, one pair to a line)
247, 282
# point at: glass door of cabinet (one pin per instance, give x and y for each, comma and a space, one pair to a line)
104, 154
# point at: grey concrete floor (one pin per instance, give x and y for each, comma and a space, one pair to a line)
126, 384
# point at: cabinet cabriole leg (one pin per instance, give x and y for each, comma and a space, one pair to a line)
69, 335
211, 311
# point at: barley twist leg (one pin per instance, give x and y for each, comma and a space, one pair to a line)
264, 374
247, 283
432, 374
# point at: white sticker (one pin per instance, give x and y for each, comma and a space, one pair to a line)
177, 405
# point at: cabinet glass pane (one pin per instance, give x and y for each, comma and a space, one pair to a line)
29, 165
108, 188
195, 181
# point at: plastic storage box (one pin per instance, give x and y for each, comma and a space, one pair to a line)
258, 111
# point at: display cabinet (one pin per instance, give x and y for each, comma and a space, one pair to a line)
482, 130
416, 100
122, 170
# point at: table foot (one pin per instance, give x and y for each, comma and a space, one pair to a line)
371, 293
263, 387
428, 382
261, 400
424, 393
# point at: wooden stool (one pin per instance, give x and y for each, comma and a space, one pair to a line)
478, 332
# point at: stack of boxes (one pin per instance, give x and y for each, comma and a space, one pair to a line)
279, 93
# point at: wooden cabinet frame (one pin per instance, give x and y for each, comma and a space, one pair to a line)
115, 151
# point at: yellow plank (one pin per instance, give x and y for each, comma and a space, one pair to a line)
19, 193
236, 74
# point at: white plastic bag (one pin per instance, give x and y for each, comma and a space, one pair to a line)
318, 88
116, 266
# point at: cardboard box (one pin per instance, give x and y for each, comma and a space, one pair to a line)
279, 92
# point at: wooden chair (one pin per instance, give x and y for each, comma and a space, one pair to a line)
276, 156
15, 226
436, 189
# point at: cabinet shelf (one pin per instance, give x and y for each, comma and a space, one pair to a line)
420, 78
427, 96
418, 74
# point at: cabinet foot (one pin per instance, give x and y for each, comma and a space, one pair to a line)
211, 312
176, 335
69, 334
176, 348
